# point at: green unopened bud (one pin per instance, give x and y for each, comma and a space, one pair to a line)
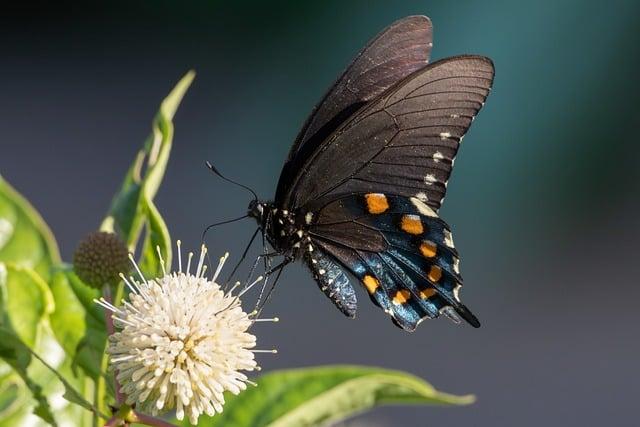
100, 258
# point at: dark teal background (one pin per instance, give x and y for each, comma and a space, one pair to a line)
543, 201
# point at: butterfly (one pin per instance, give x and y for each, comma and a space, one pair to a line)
359, 194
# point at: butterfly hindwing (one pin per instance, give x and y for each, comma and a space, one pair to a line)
410, 268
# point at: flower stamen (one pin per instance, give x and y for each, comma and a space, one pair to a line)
179, 245
247, 288
273, 319
164, 271
189, 263
135, 265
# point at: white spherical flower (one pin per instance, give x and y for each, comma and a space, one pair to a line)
182, 341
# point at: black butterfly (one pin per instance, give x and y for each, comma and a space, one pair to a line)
361, 188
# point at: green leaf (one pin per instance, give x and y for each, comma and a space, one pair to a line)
156, 236
22, 306
131, 207
77, 322
14, 402
324, 395
19, 356
25, 300
25, 239
25, 243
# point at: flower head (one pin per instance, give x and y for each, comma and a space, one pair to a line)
182, 342
99, 258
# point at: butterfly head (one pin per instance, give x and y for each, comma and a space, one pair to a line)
279, 226
258, 210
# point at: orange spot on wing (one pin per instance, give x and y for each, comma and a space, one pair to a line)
427, 293
435, 273
371, 283
376, 203
401, 296
428, 249
411, 224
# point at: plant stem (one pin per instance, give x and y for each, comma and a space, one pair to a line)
118, 297
100, 390
148, 420
100, 393
113, 422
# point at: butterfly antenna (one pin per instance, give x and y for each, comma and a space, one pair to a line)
217, 172
209, 227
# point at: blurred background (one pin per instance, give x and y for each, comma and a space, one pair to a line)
543, 201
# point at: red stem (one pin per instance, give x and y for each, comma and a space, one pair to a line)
149, 420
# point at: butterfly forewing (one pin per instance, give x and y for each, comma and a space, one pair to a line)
403, 142
395, 53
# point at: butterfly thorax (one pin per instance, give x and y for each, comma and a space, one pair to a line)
283, 231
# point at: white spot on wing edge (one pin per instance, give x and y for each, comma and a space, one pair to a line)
437, 156
422, 197
448, 238
450, 312
456, 292
456, 265
430, 178
445, 135
423, 208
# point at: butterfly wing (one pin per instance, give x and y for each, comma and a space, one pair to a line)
402, 143
396, 52
396, 247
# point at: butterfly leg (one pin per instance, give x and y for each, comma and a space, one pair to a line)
244, 255
261, 303
267, 257
287, 260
